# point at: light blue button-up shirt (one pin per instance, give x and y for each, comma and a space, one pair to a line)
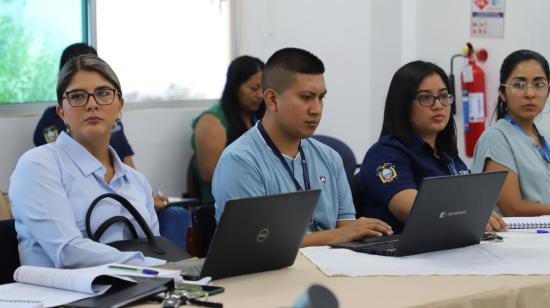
51, 189
248, 168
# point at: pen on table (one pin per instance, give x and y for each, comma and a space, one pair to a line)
146, 271
539, 231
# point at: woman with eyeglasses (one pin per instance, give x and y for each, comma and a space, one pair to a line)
418, 140
514, 143
53, 185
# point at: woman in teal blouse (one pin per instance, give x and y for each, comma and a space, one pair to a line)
239, 108
515, 143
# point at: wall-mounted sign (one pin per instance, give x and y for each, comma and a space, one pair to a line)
487, 18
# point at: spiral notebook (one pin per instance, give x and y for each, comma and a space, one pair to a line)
528, 222
7, 303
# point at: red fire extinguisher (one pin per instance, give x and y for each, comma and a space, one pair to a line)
473, 99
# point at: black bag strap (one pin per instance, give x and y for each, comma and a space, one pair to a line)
137, 216
113, 220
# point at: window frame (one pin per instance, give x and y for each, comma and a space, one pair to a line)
89, 21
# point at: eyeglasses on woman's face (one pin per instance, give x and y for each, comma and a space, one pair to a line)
427, 100
80, 98
539, 86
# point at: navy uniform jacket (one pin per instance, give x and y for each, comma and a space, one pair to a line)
389, 168
50, 126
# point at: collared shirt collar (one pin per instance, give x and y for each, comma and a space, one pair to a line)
419, 145
84, 160
265, 142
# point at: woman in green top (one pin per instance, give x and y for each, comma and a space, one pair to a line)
514, 143
239, 108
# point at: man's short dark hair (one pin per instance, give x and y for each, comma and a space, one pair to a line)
284, 63
75, 50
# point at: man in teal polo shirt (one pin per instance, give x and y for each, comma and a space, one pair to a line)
277, 156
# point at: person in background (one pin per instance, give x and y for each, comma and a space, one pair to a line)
278, 156
53, 185
514, 143
418, 140
240, 106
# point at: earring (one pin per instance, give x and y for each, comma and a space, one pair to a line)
117, 120
68, 130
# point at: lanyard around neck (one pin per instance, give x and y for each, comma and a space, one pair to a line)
283, 161
545, 150
451, 166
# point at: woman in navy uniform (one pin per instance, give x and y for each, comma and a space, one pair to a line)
418, 140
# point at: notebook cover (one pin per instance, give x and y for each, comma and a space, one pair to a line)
125, 293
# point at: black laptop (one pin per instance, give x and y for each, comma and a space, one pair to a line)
448, 212
254, 235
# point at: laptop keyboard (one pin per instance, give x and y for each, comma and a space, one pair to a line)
190, 267
381, 246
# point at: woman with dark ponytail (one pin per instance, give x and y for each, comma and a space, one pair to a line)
514, 143
240, 106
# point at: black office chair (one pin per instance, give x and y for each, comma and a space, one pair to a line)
350, 163
357, 194
193, 185
10, 252
202, 215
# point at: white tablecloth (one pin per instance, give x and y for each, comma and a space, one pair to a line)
523, 252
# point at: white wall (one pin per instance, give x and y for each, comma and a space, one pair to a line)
362, 43
339, 32
161, 142
15, 138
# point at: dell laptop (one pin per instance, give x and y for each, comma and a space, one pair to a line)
448, 212
254, 235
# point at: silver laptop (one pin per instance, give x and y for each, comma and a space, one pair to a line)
254, 235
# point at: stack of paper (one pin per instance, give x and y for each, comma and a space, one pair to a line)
54, 287
49, 287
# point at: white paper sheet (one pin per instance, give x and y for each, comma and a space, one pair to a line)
48, 296
523, 252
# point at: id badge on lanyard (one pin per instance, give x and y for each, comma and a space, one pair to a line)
544, 151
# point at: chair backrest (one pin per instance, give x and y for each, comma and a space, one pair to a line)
204, 225
202, 215
357, 194
350, 163
10, 252
193, 185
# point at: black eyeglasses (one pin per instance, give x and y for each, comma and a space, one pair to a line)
427, 100
80, 98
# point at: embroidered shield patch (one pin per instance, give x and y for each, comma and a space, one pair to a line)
50, 134
386, 173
